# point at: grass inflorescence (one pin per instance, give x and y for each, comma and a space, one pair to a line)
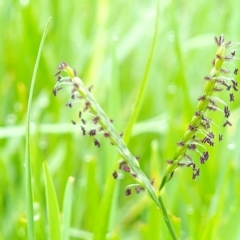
99, 123
199, 135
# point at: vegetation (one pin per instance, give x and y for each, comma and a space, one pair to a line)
110, 44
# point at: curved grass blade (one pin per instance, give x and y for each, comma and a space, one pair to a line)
29, 192
67, 206
53, 213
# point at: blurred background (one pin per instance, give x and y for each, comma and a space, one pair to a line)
108, 43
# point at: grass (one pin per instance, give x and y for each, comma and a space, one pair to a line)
108, 44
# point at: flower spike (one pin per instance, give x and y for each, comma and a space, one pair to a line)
200, 124
100, 124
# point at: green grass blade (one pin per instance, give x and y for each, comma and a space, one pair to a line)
144, 81
52, 206
102, 221
67, 206
29, 192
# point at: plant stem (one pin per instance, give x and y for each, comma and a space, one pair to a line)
166, 219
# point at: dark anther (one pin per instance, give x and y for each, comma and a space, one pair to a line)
235, 71
228, 58
115, 175
137, 157
95, 120
212, 108
152, 181
191, 164
169, 162
106, 135
191, 128
55, 92
212, 102
208, 78
83, 130
196, 173
192, 146
205, 122
92, 132
74, 72
231, 97
111, 120
235, 85
73, 122
96, 143
220, 137
69, 104
210, 135
87, 104
83, 121
198, 114
226, 111
123, 166
213, 62
57, 73
90, 88
80, 114
233, 53
202, 98
228, 43
181, 144
128, 192
62, 66
181, 164
133, 174
227, 123
121, 134
76, 86
219, 41
138, 189
224, 84
204, 157
188, 157
208, 140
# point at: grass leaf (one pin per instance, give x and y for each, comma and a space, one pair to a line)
29, 191
52, 206
67, 208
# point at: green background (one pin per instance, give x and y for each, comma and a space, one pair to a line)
108, 42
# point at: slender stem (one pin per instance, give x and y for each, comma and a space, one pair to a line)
167, 220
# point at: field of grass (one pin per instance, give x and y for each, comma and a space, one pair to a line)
108, 43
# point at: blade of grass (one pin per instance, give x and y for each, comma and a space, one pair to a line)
52, 206
144, 81
29, 191
67, 206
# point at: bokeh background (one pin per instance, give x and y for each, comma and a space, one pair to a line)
108, 43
